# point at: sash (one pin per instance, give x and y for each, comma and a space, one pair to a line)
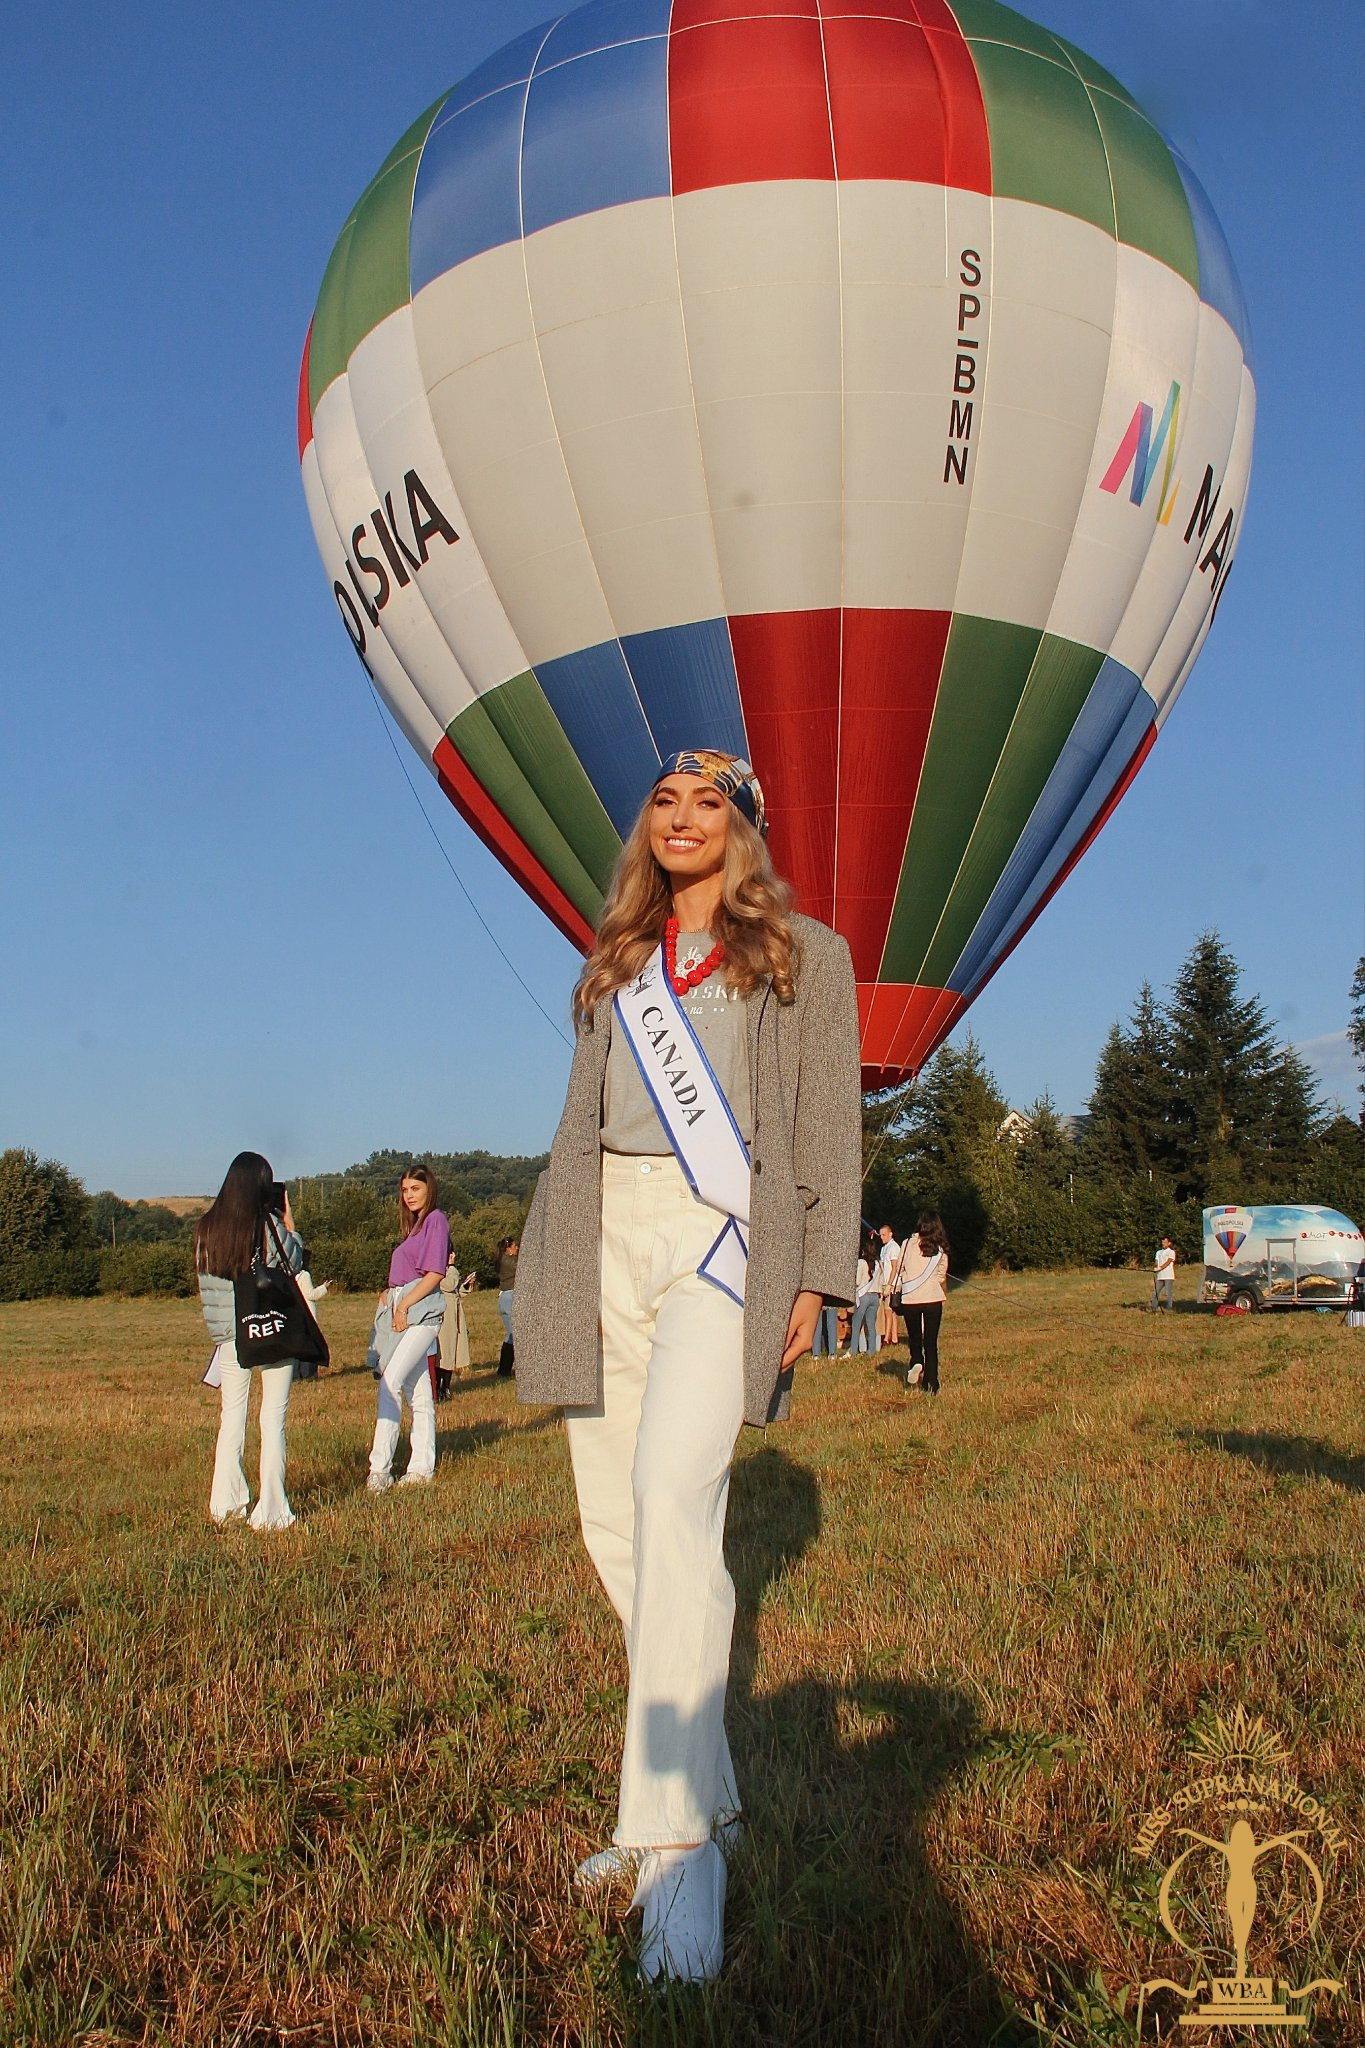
698, 1121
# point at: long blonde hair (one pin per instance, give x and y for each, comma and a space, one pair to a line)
751, 922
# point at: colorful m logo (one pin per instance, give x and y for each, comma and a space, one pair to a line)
1140, 451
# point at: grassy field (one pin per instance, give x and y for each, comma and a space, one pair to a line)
329, 1786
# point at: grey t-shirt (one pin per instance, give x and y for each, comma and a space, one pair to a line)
719, 1016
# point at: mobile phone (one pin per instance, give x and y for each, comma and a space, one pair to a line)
278, 1198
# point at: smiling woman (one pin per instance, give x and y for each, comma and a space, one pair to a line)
700, 1202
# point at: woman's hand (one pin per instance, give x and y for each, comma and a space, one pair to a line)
400, 1318
801, 1324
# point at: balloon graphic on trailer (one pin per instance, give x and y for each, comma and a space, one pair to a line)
864, 392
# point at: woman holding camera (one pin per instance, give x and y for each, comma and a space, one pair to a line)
700, 1202
249, 1218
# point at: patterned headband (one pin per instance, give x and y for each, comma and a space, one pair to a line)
728, 773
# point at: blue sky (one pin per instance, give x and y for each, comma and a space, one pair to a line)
224, 921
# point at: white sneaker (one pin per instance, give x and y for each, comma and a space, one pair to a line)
416, 1479
379, 1482
683, 1895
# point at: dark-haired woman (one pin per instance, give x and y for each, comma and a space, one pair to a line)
410, 1312
234, 1230
924, 1289
695, 1212
868, 1300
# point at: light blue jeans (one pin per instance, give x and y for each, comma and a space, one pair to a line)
505, 1310
863, 1336
826, 1334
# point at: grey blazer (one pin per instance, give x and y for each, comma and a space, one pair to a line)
806, 1188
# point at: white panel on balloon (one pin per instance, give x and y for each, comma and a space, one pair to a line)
602, 263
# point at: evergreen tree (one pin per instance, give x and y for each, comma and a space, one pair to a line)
1294, 1121
1130, 1127
1355, 1030
1225, 1070
1047, 1154
955, 1119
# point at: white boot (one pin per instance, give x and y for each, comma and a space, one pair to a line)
683, 1895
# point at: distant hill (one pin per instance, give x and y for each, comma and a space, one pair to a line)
179, 1205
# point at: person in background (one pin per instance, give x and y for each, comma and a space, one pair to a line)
1163, 1276
508, 1250
825, 1342
867, 1299
888, 1259
923, 1291
403, 1330
233, 1231
454, 1346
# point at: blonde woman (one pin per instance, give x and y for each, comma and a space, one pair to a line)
700, 1202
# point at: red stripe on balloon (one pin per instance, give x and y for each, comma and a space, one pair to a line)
305, 409
482, 816
891, 666
905, 100
746, 98
1082, 846
787, 664
901, 1026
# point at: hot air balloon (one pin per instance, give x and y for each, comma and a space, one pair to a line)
864, 390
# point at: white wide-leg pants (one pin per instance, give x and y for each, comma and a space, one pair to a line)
651, 1464
406, 1374
231, 1493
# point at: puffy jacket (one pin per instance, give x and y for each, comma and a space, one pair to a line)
215, 1293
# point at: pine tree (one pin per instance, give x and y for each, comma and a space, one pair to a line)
1355, 1030
1130, 1123
1226, 1074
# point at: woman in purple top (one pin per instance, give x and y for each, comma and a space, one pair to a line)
410, 1312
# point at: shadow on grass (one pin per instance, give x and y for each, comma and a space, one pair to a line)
1300, 1457
339, 1480
842, 1930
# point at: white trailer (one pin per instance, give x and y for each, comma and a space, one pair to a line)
1282, 1255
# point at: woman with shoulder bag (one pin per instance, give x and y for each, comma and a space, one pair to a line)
236, 1230
923, 1291
411, 1309
700, 1202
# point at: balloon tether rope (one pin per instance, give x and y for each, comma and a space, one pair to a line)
459, 879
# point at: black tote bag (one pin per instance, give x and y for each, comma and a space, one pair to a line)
272, 1321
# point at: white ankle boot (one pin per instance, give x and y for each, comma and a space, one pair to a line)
683, 1895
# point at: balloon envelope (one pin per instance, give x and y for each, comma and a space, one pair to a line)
865, 392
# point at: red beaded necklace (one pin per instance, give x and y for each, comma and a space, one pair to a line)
694, 976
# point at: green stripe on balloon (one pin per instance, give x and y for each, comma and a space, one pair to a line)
1153, 212
367, 275
514, 745
1065, 134
1059, 681
1007, 698
1046, 145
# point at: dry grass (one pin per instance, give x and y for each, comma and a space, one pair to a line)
328, 1787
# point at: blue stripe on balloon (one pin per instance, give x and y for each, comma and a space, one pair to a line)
685, 677
1219, 285
591, 132
593, 697
1113, 719
465, 198
596, 133
602, 23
